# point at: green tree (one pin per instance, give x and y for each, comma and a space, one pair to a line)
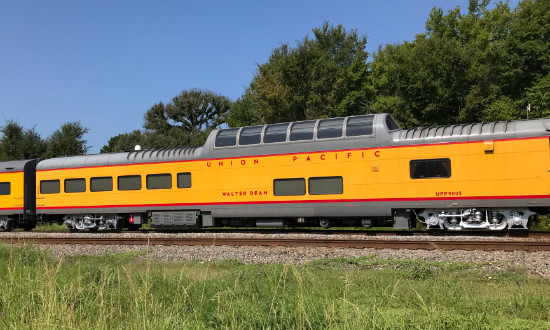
124, 142
485, 65
323, 76
18, 143
67, 141
186, 120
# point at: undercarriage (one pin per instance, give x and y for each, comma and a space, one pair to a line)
475, 219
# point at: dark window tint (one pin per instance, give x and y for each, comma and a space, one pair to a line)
250, 135
326, 185
129, 182
330, 128
391, 123
289, 187
75, 185
184, 180
302, 131
275, 133
49, 187
227, 137
159, 181
361, 125
430, 168
5, 188
101, 184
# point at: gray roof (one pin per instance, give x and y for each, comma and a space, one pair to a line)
381, 137
13, 166
132, 157
474, 132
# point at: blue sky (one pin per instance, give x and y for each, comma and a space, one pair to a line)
105, 63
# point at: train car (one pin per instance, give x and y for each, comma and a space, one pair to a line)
359, 171
17, 194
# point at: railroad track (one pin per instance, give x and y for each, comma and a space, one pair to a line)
397, 243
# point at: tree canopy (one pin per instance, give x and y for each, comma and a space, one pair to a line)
485, 65
20, 143
186, 120
323, 76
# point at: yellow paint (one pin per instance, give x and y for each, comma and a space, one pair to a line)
15, 198
515, 168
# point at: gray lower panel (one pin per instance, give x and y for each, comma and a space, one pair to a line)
174, 219
332, 209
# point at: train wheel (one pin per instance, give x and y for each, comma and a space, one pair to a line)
325, 223
6, 226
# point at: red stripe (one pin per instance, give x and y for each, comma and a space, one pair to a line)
308, 201
295, 153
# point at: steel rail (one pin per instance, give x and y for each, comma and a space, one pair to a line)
428, 244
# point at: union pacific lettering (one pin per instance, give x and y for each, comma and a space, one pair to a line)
349, 155
232, 162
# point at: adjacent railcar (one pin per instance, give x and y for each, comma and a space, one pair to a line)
354, 171
17, 194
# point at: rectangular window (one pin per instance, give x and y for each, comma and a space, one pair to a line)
227, 137
326, 185
302, 131
430, 168
275, 133
5, 188
330, 128
49, 187
184, 180
75, 185
289, 187
359, 125
159, 181
129, 182
101, 184
251, 135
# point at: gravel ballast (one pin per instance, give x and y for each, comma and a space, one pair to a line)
535, 263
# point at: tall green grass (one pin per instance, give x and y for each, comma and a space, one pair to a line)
132, 291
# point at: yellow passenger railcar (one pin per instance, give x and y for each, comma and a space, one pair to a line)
353, 170
17, 194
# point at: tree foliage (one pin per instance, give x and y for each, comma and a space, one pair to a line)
17, 142
485, 65
67, 141
187, 120
323, 76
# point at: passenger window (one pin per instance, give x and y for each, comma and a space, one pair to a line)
360, 125
101, 184
5, 188
289, 187
159, 181
430, 168
49, 187
302, 131
227, 137
129, 182
184, 180
329, 185
330, 128
275, 133
250, 135
75, 185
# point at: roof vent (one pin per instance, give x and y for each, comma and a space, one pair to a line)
137, 147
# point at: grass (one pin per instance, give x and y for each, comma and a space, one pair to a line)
131, 291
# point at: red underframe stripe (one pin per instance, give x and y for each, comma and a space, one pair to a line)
299, 153
308, 202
